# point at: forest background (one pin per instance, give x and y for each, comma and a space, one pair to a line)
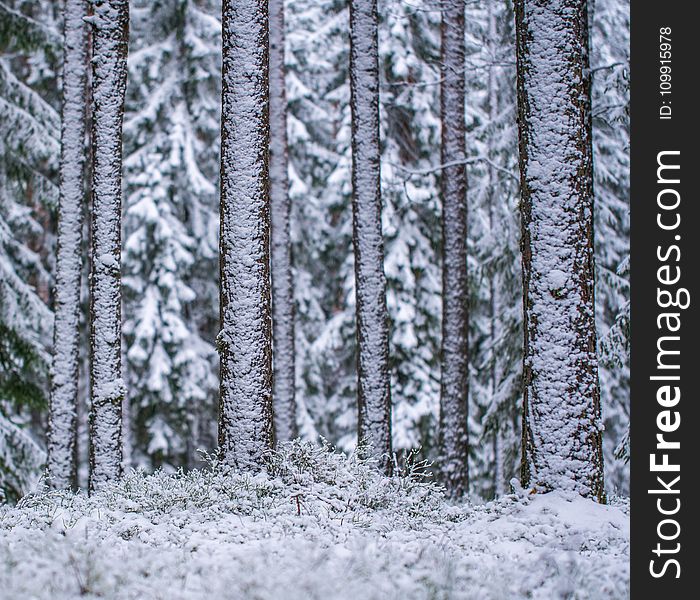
170, 237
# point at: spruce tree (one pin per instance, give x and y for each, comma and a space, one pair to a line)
409, 59
495, 270
171, 134
29, 160
611, 131
321, 219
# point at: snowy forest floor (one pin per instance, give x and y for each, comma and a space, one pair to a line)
318, 525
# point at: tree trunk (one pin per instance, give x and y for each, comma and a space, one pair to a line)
561, 412
61, 440
454, 385
245, 341
499, 487
373, 394
109, 53
284, 406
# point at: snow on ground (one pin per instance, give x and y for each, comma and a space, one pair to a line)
318, 526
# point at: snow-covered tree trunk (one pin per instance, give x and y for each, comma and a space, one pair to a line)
245, 340
109, 52
454, 440
61, 440
494, 197
373, 394
561, 412
284, 405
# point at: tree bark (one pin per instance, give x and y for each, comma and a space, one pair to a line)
373, 394
454, 384
284, 405
245, 340
561, 412
499, 487
109, 52
63, 403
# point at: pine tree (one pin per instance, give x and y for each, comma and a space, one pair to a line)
561, 412
61, 452
110, 22
373, 396
171, 134
280, 243
454, 441
245, 340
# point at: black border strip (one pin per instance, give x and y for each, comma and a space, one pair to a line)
663, 123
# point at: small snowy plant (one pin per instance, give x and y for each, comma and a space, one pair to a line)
316, 524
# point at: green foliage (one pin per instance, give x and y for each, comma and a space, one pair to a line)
21, 33
23, 371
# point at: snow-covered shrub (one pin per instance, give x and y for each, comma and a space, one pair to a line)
316, 525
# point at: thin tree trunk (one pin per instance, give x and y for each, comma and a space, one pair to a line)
82, 459
373, 394
499, 464
454, 388
109, 53
284, 405
561, 412
61, 441
245, 341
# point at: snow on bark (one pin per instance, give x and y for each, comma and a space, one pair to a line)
373, 397
454, 441
61, 439
561, 413
110, 22
499, 476
284, 405
245, 341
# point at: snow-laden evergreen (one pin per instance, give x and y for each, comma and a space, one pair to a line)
561, 412
610, 90
321, 221
320, 188
245, 340
29, 158
171, 131
496, 339
110, 21
61, 451
284, 405
409, 49
372, 322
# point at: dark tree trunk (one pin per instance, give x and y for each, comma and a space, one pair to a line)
284, 406
245, 340
109, 52
561, 412
454, 386
373, 394
61, 464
